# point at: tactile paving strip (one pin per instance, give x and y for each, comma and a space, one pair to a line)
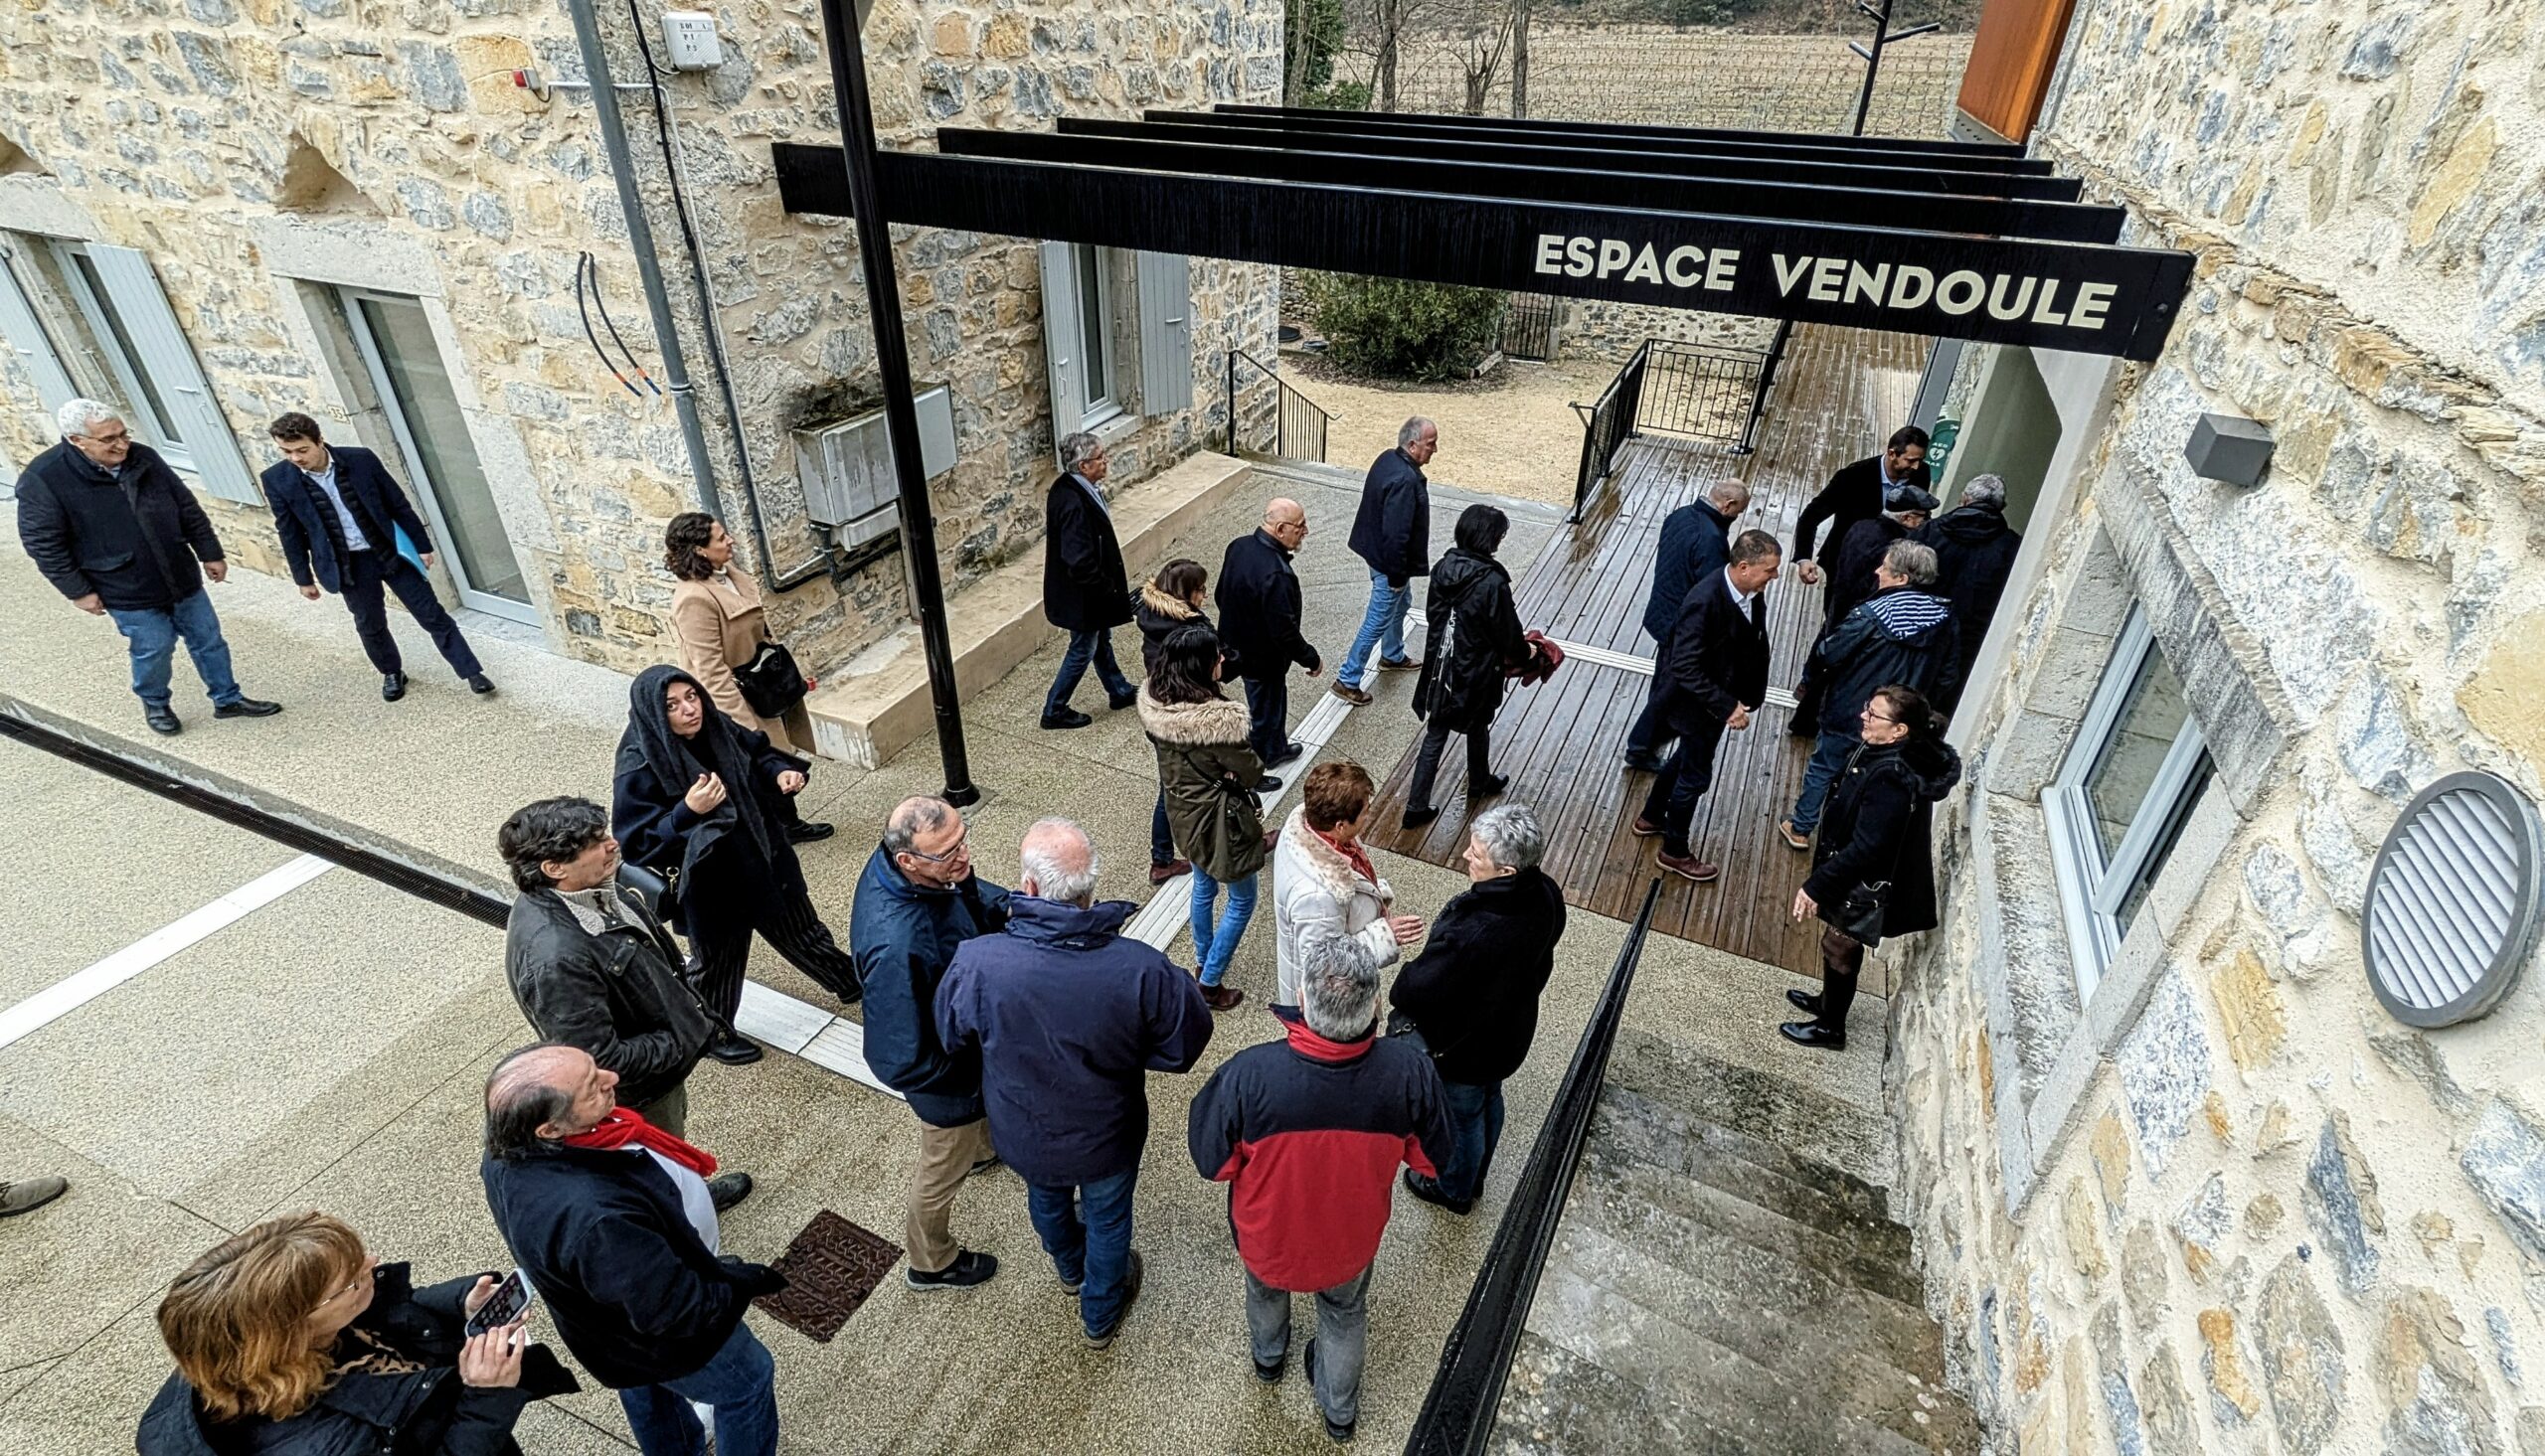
830, 1268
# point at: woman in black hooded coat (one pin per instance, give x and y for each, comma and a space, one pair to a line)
701, 801
1472, 641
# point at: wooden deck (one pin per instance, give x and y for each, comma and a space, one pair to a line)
1843, 390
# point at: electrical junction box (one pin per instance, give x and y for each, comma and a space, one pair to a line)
690, 37
846, 469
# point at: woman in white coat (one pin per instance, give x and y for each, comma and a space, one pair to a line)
1323, 883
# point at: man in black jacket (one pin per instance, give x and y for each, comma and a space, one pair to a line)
1975, 555
1474, 991
1392, 532
1855, 493
114, 530
1258, 601
1903, 634
1711, 674
338, 512
1695, 543
610, 1219
1085, 591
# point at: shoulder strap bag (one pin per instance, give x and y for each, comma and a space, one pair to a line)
772, 683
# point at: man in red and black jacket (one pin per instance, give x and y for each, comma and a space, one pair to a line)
1308, 1133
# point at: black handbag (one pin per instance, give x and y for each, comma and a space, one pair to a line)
770, 681
1860, 913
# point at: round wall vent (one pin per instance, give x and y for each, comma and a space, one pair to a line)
2453, 901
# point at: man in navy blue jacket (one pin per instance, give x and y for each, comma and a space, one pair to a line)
1069, 1017
338, 511
1392, 532
916, 901
1696, 542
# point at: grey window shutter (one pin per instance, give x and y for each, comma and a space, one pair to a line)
1166, 332
33, 346
1060, 339
171, 363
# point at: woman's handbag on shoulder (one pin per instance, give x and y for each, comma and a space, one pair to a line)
770, 681
1860, 913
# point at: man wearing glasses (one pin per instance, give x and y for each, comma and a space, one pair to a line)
114, 530
917, 901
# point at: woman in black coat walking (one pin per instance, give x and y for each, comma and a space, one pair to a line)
291, 1339
699, 802
1873, 873
1473, 642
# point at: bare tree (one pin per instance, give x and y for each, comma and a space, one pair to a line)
1520, 58
1480, 34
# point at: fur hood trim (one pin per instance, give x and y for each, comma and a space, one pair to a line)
1341, 881
1165, 605
1192, 725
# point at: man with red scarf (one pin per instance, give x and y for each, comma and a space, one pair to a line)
610, 1218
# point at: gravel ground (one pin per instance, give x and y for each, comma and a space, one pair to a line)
1513, 434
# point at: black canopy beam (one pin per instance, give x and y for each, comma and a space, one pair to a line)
1834, 141
1792, 200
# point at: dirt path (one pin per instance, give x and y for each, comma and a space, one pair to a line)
1511, 434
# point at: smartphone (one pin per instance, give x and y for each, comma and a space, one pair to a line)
509, 1302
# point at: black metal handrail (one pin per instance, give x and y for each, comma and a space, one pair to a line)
1299, 422
1467, 1388
1607, 425
1707, 392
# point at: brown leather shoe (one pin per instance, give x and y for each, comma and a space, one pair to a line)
1221, 997
1161, 872
1689, 866
1351, 694
1405, 664
1643, 828
1795, 839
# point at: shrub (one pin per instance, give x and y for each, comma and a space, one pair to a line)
1393, 328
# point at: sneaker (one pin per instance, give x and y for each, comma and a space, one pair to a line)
481, 684
1429, 1191
1400, 664
393, 686
162, 721
1643, 828
1814, 1035
1162, 871
1806, 1001
1416, 816
1290, 751
1795, 839
1104, 1339
1340, 1431
1487, 786
1222, 998
969, 1269
26, 1195
247, 708
1689, 866
1066, 718
728, 1188
1351, 694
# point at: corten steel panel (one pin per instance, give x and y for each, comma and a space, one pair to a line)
1589, 184
1624, 156
1836, 140
1764, 266
2012, 60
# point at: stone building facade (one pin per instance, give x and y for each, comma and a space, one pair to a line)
2181, 1182
358, 207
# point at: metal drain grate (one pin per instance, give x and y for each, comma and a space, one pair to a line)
2452, 909
830, 1269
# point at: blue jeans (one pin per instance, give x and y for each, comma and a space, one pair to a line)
1382, 627
153, 634
1828, 760
1475, 1128
740, 1381
1086, 647
1087, 1229
1214, 945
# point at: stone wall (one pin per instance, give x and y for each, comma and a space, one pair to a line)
1597, 329
2228, 1203
245, 144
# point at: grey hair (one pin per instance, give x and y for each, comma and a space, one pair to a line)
1048, 865
1510, 835
1728, 490
1339, 987
1078, 449
521, 1099
913, 817
1986, 490
1913, 562
76, 416
1412, 431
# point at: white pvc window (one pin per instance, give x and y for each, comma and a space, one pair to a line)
1100, 399
2129, 783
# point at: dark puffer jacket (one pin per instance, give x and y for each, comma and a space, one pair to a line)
903, 936
1160, 616
1975, 555
1901, 635
132, 537
1473, 637
1474, 991
1878, 826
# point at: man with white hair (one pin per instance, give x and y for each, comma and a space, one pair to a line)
1308, 1132
1974, 554
1087, 592
1695, 544
1391, 532
1069, 1017
1902, 635
114, 530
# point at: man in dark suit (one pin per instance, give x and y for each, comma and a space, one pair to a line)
1855, 494
1085, 591
1258, 601
339, 511
1696, 542
1712, 672
1392, 532
114, 530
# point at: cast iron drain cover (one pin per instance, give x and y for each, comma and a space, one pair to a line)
830, 1268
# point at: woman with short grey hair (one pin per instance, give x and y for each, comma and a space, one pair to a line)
1472, 995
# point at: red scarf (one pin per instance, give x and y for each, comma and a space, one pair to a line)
626, 1125
1353, 855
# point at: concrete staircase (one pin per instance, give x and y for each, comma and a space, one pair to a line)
1712, 1290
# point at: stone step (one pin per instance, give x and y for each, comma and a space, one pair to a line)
1866, 1263
1809, 1135
1632, 1125
1559, 1403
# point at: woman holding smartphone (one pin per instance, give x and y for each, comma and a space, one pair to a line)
292, 1339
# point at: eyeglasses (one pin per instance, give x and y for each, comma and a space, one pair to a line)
1873, 716
960, 847
119, 437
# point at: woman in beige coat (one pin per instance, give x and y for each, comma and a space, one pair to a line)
718, 624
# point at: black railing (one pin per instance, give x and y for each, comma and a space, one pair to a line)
1296, 424
1528, 327
1607, 425
1457, 1415
1707, 392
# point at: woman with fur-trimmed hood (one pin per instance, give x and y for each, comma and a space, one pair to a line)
1323, 881
1206, 775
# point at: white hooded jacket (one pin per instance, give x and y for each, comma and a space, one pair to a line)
1317, 891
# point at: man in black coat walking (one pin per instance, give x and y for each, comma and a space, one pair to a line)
1392, 532
1712, 672
1260, 609
114, 530
1854, 494
1085, 591
338, 512
1696, 542
1975, 555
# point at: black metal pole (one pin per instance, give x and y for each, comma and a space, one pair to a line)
1873, 61
901, 410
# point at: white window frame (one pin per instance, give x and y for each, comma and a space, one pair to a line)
2092, 888
1097, 376
127, 370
